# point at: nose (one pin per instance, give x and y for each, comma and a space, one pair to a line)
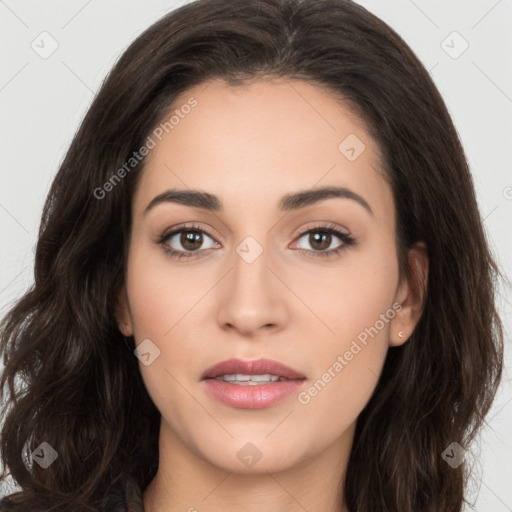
253, 298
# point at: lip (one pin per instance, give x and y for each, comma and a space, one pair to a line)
247, 396
255, 367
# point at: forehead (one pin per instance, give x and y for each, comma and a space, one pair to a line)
255, 142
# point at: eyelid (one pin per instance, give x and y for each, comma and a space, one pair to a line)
167, 234
341, 233
302, 231
347, 240
326, 225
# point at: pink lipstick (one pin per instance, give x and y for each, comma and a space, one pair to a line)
251, 384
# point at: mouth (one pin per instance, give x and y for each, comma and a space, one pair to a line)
251, 384
259, 370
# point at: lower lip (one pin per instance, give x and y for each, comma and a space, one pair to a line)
251, 397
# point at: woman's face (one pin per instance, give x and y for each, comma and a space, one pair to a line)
251, 284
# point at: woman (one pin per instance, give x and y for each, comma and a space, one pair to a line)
261, 280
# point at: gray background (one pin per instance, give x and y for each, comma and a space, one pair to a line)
42, 100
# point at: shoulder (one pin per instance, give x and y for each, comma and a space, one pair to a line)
6, 506
124, 496
6, 503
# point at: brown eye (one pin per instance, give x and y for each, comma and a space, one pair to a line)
187, 240
191, 240
320, 241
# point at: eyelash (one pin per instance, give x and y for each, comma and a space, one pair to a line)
325, 229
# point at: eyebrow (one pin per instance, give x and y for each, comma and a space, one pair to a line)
295, 201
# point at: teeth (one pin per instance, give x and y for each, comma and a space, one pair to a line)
249, 380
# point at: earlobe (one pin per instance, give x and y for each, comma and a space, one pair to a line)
411, 294
123, 316
398, 337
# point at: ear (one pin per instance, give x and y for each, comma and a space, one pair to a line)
411, 293
123, 316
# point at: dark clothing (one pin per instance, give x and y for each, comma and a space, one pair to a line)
125, 496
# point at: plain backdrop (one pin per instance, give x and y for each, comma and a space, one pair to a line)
466, 46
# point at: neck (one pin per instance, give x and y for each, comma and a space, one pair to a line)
187, 482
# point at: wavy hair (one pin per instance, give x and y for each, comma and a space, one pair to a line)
71, 378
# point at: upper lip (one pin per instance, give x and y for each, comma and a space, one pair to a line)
255, 367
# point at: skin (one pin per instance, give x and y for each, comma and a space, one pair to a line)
251, 145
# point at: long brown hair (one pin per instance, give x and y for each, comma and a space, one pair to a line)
71, 378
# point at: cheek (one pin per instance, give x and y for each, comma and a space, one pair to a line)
160, 292
166, 309
350, 296
338, 394
357, 305
346, 368
159, 303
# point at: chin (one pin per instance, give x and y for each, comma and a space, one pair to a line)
252, 455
